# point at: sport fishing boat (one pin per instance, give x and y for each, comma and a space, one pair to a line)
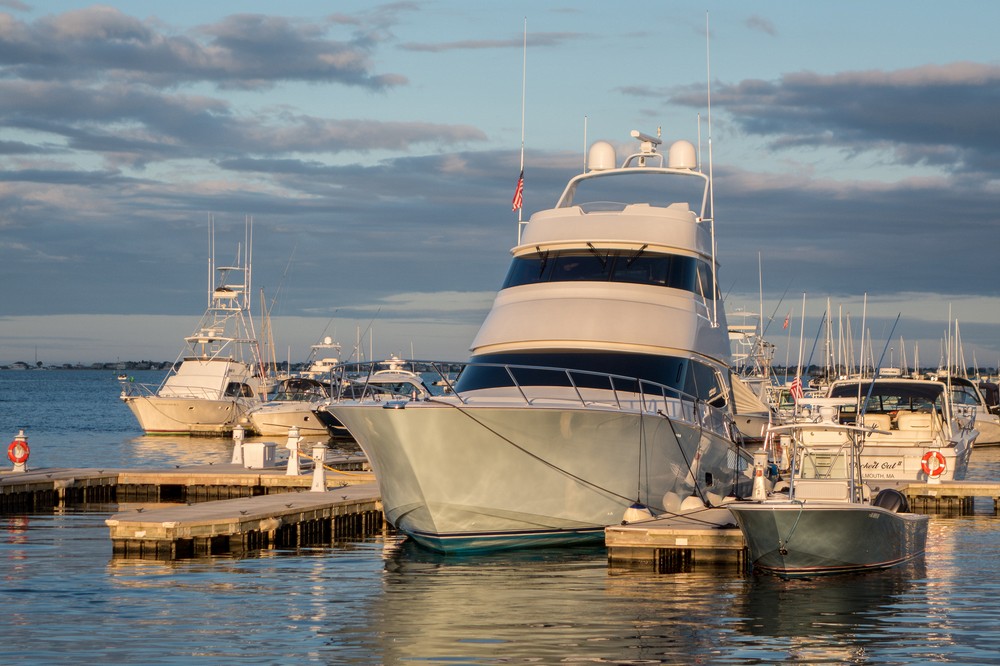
599, 379
918, 432
823, 519
217, 377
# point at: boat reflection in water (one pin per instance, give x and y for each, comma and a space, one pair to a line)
831, 619
555, 605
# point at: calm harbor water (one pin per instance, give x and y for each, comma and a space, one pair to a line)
65, 599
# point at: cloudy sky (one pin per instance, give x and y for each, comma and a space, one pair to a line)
377, 147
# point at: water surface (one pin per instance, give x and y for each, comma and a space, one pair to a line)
65, 599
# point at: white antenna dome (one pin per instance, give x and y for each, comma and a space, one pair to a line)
682, 155
601, 156
327, 340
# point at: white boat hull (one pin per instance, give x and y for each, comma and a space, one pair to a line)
894, 465
274, 420
460, 477
186, 416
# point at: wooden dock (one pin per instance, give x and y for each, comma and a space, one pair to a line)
951, 497
213, 509
677, 543
235, 526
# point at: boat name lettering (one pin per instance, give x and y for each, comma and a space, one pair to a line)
882, 465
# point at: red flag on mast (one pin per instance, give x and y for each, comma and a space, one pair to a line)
518, 192
787, 318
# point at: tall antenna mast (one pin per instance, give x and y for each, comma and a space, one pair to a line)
520, 182
711, 184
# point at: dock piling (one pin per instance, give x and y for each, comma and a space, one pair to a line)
319, 471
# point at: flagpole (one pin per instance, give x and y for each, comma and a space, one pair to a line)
524, 78
802, 332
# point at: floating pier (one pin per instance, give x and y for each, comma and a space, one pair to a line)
213, 509
236, 526
952, 497
676, 543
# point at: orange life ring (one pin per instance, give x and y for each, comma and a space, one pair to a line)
938, 468
18, 451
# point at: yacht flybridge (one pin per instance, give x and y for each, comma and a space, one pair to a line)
599, 379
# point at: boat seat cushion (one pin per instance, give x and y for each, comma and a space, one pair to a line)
915, 420
880, 421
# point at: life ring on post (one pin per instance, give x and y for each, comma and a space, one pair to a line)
938, 466
18, 452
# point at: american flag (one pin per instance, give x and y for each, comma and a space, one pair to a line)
788, 318
796, 388
518, 193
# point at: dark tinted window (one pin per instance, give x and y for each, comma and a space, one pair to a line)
666, 270
666, 370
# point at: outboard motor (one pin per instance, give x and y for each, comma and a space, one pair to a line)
892, 500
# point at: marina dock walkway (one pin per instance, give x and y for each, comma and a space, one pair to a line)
207, 509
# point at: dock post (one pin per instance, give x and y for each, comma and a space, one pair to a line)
319, 472
18, 452
238, 433
293, 452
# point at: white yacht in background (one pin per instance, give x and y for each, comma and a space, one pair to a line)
599, 379
917, 432
217, 378
292, 404
323, 359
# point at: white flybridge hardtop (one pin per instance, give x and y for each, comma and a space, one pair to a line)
598, 381
604, 255
218, 376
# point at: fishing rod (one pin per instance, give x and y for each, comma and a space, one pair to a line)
878, 368
780, 301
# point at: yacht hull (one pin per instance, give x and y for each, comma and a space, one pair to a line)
275, 420
459, 477
811, 538
159, 415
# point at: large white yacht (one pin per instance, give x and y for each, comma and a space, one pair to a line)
600, 378
217, 377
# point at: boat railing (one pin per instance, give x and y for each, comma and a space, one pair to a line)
539, 384
142, 390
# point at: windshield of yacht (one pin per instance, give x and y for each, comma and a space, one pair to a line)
613, 191
601, 265
894, 396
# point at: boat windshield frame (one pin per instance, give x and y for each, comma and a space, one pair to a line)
569, 195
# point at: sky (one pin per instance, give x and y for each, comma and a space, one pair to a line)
376, 147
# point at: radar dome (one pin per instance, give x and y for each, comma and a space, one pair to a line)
601, 156
682, 156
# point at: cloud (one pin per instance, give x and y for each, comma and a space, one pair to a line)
936, 115
242, 51
761, 24
140, 125
534, 40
